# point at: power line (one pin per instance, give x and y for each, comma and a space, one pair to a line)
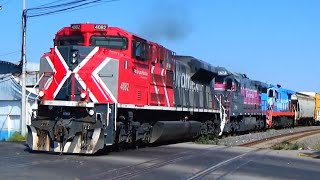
3, 3
13, 52
91, 6
63, 7
45, 6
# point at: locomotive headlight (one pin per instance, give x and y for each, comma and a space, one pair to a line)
83, 95
74, 57
91, 112
41, 94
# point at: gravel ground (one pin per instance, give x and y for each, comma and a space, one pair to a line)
311, 142
241, 139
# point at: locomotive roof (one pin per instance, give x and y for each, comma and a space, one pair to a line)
198, 63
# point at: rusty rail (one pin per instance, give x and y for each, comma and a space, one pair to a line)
302, 135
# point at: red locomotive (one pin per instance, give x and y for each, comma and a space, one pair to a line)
105, 86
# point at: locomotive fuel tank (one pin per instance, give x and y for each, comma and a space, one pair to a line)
174, 130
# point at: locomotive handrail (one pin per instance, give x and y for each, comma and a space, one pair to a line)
46, 82
222, 115
36, 84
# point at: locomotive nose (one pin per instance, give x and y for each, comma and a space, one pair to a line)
72, 58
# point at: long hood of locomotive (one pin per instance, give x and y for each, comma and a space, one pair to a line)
193, 83
72, 70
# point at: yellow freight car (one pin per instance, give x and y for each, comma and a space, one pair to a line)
317, 109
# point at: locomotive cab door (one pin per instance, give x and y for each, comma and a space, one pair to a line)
140, 70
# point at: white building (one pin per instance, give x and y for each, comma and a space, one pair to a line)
10, 101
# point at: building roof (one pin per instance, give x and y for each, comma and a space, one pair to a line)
10, 89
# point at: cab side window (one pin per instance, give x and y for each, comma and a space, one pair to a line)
140, 49
270, 93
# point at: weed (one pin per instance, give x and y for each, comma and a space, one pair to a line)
206, 139
289, 146
317, 146
17, 137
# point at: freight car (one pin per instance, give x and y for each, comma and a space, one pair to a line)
305, 108
317, 109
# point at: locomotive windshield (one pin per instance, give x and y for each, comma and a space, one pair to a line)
70, 40
219, 79
110, 42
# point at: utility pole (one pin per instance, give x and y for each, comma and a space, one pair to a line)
23, 75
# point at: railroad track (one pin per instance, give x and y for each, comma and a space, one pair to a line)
289, 137
145, 167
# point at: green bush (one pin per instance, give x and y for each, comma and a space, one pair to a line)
17, 137
289, 146
206, 139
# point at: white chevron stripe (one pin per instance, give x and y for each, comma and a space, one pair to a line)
78, 78
66, 76
165, 87
154, 84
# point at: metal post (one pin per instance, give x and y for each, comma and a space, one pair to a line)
23, 76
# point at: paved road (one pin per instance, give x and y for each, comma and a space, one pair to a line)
178, 161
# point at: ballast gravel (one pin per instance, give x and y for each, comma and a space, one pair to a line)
246, 138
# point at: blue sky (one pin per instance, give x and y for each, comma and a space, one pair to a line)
275, 41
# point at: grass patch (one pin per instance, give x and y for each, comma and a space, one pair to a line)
207, 139
317, 146
17, 137
289, 146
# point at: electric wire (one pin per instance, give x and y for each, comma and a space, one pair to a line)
64, 7
3, 3
43, 5
58, 5
9, 53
